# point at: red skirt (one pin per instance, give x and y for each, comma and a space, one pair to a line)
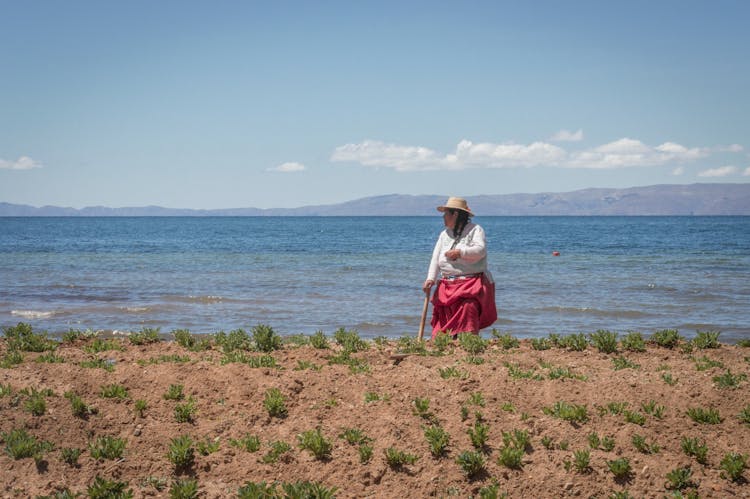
463, 305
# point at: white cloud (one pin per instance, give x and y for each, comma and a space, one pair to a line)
730, 148
678, 171
567, 136
722, 171
746, 173
22, 163
289, 167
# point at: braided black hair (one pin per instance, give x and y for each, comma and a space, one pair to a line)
461, 221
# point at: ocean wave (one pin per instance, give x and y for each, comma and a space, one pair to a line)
632, 314
33, 314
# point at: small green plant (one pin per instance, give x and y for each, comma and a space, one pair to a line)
303, 365
140, 407
319, 340
442, 342
704, 416
473, 344
471, 462
70, 456
107, 447
350, 340
605, 341
511, 457
667, 338
208, 446
265, 338
569, 412
651, 408
184, 488
22, 338
421, 408
375, 397
733, 466
729, 380
680, 478
145, 336
624, 363
99, 345
452, 372
541, 343
275, 403
409, 344
548, 443
185, 413
314, 442
248, 443
706, 339
181, 452
5, 390
79, 407
515, 372
175, 392
19, 445
594, 440
693, 447
633, 342
517, 438
10, 359
114, 391
36, 404
635, 417
668, 379
582, 460
575, 342
705, 363
438, 439
236, 340
505, 340
479, 434
744, 415
107, 365
639, 442
50, 358
396, 459
354, 436
365, 453
278, 449
103, 488
252, 490
620, 468
476, 398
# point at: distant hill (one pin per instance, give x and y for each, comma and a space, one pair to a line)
694, 199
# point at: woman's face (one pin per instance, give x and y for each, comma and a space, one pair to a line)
449, 218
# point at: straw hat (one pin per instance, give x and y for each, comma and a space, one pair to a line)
456, 204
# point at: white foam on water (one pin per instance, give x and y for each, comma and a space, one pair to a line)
33, 314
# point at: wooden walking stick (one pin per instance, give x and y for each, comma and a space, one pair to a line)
424, 314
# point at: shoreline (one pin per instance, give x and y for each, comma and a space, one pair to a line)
566, 399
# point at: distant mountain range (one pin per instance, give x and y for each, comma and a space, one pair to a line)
694, 199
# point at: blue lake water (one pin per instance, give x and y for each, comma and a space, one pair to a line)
303, 274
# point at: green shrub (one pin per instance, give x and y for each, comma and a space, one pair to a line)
397, 458
421, 408
410, 344
248, 443
181, 452
744, 343
472, 343
744, 415
278, 449
541, 344
259, 490
605, 341
107, 447
10, 359
365, 453
624, 363
452, 372
275, 403
633, 342
103, 488
114, 391
438, 439
22, 338
314, 442
319, 340
50, 358
575, 342
706, 339
175, 392
505, 340
478, 435
680, 478
667, 338
184, 488
207, 446
517, 438
620, 467
350, 340
99, 345
692, 447
354, 436
145, 336
706, 363
639, 442
70, 456
569, 412
185, 413
729, 380
140, 407
733, 465
234, 341
653, 409
582, 460
511, 457
704, 416
79, 407
472, 463
36, 404
265, 338
308, 490
635, 417
668, 379
19, 445
107, 365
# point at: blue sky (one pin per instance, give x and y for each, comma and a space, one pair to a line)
283, 104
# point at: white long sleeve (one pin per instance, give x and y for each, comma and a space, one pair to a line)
473, 248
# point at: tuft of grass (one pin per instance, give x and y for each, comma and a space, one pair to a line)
208, 446
184, 488
680, 478
620, 468
70, 456
575, 342
729, 380
473, 344
19, 445
452, 372
365, 453
635, 417
303, 365
541, 344
511, 457
278, 449
10, 359
438, 439
185, 413
236, 340
633, 342
472, 463
693, 447
653, 409
22, 338
350, 340
442, 342
107, 447
582, 460
265, 338
421, 408
624, 363
515, 372
79, 407
354, 436
319, 340
517, 438
256, 361
667, 338
396, 459
50, 358
569, 412
145, 336
315, 443
704, 416
186, 340
744, 415
409, 344
181, 452
275, 403
36, 403
140, 407
639, 442
505, 340
479, 434
103, 488
605, 341
99, 345
706, 363
668, 379
706, 339
375, 397
733, 466
114, 391
175, 392
248, 443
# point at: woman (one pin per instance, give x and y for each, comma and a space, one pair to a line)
464, 301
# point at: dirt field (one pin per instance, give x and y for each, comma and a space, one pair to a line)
561, 400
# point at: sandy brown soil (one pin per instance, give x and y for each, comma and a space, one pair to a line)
229, 400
